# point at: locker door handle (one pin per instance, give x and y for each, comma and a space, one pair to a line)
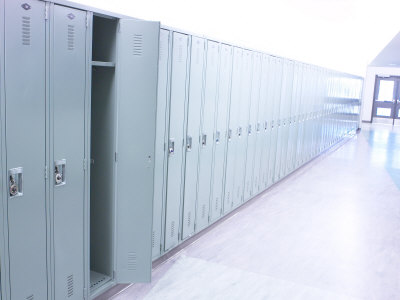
249, 130
171, 147
239, 131
265, 125
217, 137
59, 172
188, 143
15, 186
204, 140
229, 135
258, 127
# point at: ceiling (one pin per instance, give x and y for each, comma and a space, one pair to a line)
345, 35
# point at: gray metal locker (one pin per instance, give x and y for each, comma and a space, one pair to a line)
197, 64
161, 140
68, 67
137, 66
221, 131
176, 153
206, 138
253, 126
25, 42
233, 129
244, 110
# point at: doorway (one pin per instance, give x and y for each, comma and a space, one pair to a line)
386, 106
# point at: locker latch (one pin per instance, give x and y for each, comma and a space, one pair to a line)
258, 127
204, 140
15, 182
188, 143
229, 135
217, 137
249, 130
59, 172
171, 146
265, 125
240, 131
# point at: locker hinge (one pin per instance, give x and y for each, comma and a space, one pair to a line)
46, 12
87, 20
116, 157
84, 163
46, 172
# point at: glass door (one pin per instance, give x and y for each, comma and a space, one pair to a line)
387, 100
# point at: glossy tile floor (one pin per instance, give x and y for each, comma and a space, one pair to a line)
331, 230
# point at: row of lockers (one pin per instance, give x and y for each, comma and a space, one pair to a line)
230, 123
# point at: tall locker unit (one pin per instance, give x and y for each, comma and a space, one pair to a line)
68, 69
221, 131
233, 129
276, 99
253, 126
25, 137
197, 66
176, 139
243, 119
206, 138
161, 141
262, 143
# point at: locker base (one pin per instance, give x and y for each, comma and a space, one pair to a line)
97, 280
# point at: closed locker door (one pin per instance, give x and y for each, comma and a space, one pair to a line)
25, 56
243, 125
286, 115
252, 131
232, 130
206, 138
262, 145
176, 154
221, 131
67, 100
192, 135
160, 153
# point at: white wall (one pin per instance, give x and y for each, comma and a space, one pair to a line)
369, 85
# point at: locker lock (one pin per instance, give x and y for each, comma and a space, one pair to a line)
59, 172
240, 131
204, 140
249, 130
229, 135
15, 182
217, 137
171, 146
188, 143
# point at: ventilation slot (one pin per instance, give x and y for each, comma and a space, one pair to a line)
132, 261
26, 36
137, 44
203, 211
70, 286
172, 228
30, 297
188, 219
152, 239
71, 37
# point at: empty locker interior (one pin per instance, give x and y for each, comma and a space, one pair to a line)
102, 145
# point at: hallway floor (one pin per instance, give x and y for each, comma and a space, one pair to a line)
331, 230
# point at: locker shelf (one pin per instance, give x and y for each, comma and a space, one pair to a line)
97, 280
108, 64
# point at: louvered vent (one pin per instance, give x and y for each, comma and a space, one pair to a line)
71, 37
26, 32
189, 219
30, 297
137, 44
203, 211
172, 228
70, 286
152, 239
132, 261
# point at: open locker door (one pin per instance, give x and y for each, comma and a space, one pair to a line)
137, 72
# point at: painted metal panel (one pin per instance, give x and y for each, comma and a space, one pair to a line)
67, 99
161, 141
243, 118
233, 128
206, 138
137, 69
25, 35
176, 147
197, 66
253, 128
221, 131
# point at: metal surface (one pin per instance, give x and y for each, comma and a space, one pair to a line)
25, 41
137, 88
68, 67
